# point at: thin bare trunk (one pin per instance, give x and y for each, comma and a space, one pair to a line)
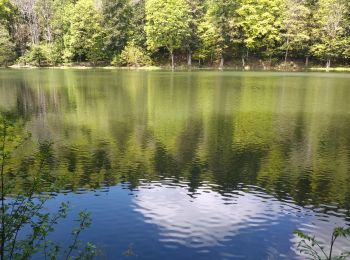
270, 61
286, 54
221, 66
48, 34
172, 60
307, 61
286, 57
2, 245
328, 64
189, 59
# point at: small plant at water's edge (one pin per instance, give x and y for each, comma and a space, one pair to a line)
315, 249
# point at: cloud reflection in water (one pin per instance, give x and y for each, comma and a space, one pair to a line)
207, 218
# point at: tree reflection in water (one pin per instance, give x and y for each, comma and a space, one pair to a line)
285, 134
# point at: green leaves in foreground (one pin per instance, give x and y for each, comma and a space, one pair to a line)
315, 249
25, 222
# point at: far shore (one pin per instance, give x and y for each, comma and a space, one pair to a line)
183, 67
82, 67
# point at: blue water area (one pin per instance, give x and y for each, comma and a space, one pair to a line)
164, 220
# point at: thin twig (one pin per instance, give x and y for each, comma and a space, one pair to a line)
2, 245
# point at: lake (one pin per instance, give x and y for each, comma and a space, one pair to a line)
191, 165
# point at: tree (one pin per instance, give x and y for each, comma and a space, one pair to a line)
211, 39
60, 22
84, 40
260, 21
208, 30
30, 18
346, 53
196, 14
116, 22
167, 24
138, 23
215, 28
7, 47
6, 11
44, 9
294, 26
330, 17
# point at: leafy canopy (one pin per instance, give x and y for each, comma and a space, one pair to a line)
167, 23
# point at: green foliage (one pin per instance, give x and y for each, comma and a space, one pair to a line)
37, 55
116, 22
330, 29
167, 24
132, 56
261, 22
210, 35
26, 210
62, 12
6, 12
84, 40
7, 53
215, 28
314, 249
137, 23
295, 26
97, 31
41, 55
5, 7
196, 11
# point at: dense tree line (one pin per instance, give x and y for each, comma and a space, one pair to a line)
139, 32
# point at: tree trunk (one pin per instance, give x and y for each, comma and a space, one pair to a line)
49, 34
286, 54
328, 65
243, 61
172, 60
221, 66
307, 61
189, 59
286, 57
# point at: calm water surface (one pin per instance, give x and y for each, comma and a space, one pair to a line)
191, 165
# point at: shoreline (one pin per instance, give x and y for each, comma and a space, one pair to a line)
181, 68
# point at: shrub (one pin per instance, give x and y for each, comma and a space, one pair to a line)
41, 55
132, 56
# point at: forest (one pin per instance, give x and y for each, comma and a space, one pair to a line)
168, 32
